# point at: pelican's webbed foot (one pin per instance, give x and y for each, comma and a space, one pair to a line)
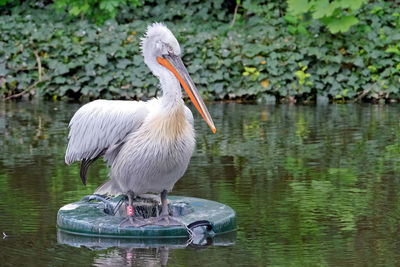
165, 220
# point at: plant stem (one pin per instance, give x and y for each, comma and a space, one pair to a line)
234, 14
39, 63
366, 91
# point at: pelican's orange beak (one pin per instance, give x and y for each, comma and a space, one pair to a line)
175, 65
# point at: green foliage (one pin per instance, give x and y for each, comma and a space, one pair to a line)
301, 75
5, 2
266, 55
100, 10
337, 15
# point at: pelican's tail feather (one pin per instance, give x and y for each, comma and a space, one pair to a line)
109, 188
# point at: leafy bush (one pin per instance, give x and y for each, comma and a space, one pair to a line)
99, 10
260, 57
337, 15
4, 2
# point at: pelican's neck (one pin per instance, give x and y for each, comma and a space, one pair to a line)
172, 94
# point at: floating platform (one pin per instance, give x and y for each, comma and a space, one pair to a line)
96, 216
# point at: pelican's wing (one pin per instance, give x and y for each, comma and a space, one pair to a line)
99, 125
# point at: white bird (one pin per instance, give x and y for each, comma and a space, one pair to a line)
147, 144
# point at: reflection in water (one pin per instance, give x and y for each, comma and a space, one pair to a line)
140, 252
310, 185
134, 257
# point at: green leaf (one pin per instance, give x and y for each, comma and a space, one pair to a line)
59, 80
292, 29
123, 63
324, 8
58, 67
359, 62
341, 24
101, 60
353, 4
3, 69
291, 19
302, 30
297, 7
109, 5
393, 49
250, 69
376, 9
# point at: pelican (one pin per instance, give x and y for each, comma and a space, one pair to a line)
147, 144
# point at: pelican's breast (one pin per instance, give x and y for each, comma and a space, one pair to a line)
169, 126
166, 138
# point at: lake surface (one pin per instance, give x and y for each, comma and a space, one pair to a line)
311, 185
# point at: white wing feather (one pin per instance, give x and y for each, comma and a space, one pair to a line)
101, 124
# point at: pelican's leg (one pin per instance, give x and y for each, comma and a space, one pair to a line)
131, 220
164, 219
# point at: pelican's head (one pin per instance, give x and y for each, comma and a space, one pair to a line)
162, 52
158, 41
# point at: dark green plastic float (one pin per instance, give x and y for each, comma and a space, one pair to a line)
94, 216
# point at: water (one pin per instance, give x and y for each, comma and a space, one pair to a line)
310, 185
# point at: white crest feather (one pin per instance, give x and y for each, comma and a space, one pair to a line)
152, 30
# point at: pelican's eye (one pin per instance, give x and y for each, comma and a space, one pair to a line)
170, 50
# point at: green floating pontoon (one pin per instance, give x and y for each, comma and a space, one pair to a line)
97, 216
